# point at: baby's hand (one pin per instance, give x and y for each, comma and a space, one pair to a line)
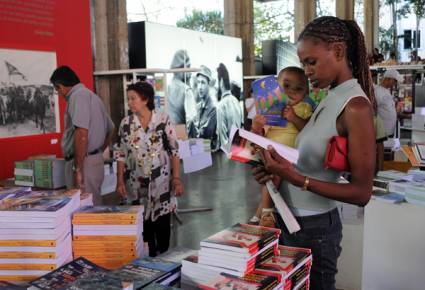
289, 113
258, 124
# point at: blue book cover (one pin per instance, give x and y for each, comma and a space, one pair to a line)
100, 281
270, 100
139, 275
65, 275
157, 264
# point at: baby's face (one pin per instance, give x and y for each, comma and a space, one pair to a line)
294, 87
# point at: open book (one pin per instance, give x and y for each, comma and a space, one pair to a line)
241, 148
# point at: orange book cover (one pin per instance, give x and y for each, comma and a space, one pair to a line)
28, 255
27, 243
18, 278
105, 238
47, 267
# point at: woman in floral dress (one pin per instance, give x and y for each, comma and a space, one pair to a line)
148, 164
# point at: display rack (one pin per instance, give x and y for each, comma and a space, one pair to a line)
156, 76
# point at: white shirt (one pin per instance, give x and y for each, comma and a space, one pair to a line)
386, 108
250, 107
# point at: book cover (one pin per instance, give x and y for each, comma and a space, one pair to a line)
252, 281
108, 212
156, 286
9, 286
65, 275
270, 100
288, 261
100, 280
6, 190
242, 238
243, 151
157, 263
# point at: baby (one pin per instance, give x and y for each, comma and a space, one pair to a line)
294, 83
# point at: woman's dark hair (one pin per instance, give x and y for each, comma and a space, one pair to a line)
331, 29
145, 91
65, 76
223, 74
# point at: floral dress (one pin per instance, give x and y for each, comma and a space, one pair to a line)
146, 155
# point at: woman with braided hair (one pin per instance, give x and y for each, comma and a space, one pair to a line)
333, 54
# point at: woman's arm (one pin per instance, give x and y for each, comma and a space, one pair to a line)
176, 182
120, 180
357, 122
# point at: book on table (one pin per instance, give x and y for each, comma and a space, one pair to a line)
252, 281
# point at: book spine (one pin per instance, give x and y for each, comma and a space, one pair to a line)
29, 255
47, 267
124, 238
27, 243
77, 221
105, 216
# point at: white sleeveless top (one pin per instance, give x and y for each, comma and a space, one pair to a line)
311, 143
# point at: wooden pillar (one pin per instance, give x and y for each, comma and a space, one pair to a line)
344, 9
110, 49
371, 24
305, 11
239, 22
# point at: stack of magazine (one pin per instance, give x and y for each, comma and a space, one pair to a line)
236, 251
83, 274
35, 232
109, 236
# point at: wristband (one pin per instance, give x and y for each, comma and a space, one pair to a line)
306, 183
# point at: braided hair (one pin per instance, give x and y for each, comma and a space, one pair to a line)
331, 29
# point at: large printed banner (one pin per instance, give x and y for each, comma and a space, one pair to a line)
208, 102
35, 37
28, 103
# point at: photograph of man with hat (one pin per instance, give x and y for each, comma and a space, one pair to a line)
181, 100
205, 122
385, 100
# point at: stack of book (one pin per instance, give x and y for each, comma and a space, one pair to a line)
35, 232
109, 236
49, 173
24, 173
236, 250
252, 281
291, 264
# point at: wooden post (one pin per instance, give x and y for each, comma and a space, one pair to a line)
305, 11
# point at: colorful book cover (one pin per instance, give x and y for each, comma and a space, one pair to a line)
243, 151
65, 275
316, 96
270, 100
288, 260
108, 212
243, 238
250, 281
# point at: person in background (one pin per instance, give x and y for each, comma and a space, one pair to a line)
181, 100
88, 131
385, 100
229, 111
294, 83
333, 53
414, 57
380, 137
148, 170
204, 125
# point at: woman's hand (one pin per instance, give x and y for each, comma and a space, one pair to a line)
276, 164
177, 187
122, 192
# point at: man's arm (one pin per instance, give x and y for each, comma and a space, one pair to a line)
80, 152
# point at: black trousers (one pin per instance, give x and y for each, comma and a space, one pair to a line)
322, 234
157, 234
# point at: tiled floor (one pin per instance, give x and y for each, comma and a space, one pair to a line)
227, 187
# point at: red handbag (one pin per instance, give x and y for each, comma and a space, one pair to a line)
336, 157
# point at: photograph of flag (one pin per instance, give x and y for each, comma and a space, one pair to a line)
28, 102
